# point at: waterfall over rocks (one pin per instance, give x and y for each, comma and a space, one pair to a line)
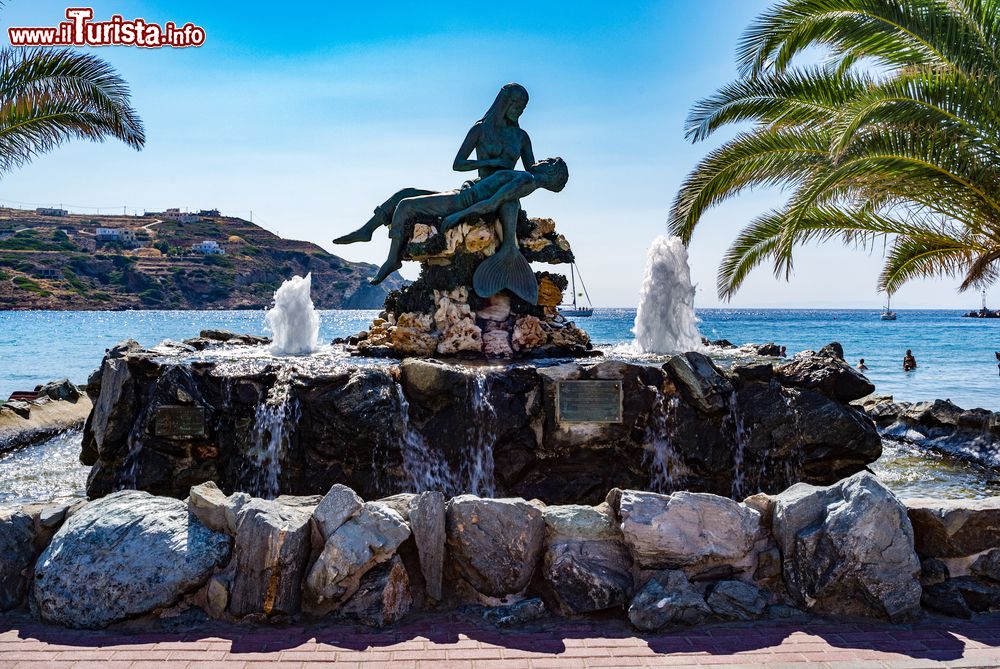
293, 320
665, 320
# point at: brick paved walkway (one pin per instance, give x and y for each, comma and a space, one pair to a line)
464, 643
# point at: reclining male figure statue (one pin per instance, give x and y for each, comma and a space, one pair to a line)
498, 193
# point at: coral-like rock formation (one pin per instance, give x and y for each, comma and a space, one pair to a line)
440, 313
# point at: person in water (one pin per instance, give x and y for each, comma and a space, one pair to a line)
497, 139
909, 362
498, 193
862, 367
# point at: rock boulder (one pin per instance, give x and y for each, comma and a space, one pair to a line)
368, 538
692, 530
736, 600
148, 551
827, 374
16, 557
495, 543
954, 528
849, 538
383, 595
272, 548
427, 522
585, 563
667, 598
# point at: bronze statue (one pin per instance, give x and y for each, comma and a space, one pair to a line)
498, 141
500, 193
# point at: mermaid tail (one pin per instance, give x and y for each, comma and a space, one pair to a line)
506, 268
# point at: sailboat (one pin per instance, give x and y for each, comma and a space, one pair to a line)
574, 310
887, 313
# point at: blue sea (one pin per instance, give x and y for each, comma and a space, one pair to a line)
955, 355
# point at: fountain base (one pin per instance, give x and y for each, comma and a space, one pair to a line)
167, 418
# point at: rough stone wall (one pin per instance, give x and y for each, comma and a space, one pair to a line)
849, 549
380, 430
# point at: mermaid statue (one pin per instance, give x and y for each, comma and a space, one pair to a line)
499, 142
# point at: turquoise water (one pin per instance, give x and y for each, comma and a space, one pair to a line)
955, 355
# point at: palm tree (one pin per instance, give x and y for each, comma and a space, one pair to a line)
49, 96
895, 136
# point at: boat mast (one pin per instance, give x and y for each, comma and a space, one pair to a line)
572, 278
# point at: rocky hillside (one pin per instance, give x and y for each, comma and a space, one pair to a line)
56, 262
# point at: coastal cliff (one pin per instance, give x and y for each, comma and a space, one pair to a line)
61, 263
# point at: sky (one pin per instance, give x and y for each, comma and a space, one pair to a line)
308, 115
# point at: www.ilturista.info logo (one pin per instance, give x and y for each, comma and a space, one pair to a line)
80, 30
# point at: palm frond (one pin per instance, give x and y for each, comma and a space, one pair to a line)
48, 97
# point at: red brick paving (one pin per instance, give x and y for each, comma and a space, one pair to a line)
456, 642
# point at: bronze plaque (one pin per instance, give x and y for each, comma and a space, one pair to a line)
180, 421
589, 401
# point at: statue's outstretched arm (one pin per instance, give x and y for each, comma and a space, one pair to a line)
462, 162
520, 186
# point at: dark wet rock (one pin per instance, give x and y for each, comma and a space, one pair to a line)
946, 598
585, 563
427, 522
516, 614
148, 551
954, 528
272, 548
832, 350
209, 338
736, 600
700, 381
17, 556
847, 538
769, 349
59, 390
115, 407
349, 428
366, 539
826, 374
705, 530
942, 426
667, 599
495, 544
987, 565
383, 595
762, 372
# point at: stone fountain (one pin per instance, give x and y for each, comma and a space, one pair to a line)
508, 404
469, 387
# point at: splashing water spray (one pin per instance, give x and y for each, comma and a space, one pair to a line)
293, 320
665, 320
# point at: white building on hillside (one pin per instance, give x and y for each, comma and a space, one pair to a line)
175, 214
209, 248
48, 211
123, 235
